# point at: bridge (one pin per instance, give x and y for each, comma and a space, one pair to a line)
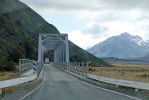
56, 42
62, 79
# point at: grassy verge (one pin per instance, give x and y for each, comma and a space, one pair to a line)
7, 75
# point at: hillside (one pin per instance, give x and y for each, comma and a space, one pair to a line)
124, 46
19, 29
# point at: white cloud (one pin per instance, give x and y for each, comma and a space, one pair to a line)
97, 19
125, 4
86, 41
94, 29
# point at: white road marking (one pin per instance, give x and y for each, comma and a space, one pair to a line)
112, 91
30, 92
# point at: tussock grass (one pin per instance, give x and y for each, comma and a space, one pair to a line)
133, 72
9, 90
7, 75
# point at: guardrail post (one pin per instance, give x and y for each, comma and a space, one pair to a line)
1, 90
82, 68
75, 67
79, 67
136, 90
85, 69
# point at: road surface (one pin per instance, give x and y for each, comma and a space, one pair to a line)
58, 85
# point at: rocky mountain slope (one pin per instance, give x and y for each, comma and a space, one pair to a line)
122, 46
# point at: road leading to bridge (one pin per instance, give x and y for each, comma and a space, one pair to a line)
58, 85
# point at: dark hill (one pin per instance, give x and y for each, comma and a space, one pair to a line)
144, 59
19, 29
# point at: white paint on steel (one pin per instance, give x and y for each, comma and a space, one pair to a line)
57, 42
39, 48
67, 49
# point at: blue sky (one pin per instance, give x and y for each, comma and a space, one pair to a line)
89, 22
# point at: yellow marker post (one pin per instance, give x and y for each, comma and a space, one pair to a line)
90, 66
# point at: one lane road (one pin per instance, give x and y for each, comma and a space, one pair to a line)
58, 85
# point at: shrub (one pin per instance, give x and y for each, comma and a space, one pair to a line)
8, 66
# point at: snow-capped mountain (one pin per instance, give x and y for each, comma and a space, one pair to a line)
121, 46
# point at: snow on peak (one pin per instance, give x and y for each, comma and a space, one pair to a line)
139, 41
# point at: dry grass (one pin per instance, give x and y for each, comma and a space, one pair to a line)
125, 71
7, 75
9, 90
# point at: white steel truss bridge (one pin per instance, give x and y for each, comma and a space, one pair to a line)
56, 42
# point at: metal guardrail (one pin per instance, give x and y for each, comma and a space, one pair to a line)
24, 68
13, 82
39, 67
26, 65
79, 68
23, 84
126, 83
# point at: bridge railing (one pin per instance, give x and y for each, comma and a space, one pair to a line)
22, 85
26, 64
79, 68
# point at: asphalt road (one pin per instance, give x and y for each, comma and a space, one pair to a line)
58, 85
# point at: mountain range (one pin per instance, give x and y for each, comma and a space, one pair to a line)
123, 46
19, 30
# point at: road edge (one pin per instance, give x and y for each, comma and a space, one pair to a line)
41, 73
30, 92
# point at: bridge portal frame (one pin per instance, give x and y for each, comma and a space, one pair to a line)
57, 42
